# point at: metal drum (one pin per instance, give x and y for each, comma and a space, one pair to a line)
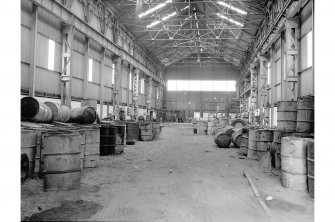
61, 156
223, 136
287, 116
107, 140
275, 148
310, 167
120, 138
253, 139
28, 147
264, 142
236, 138
293, 162
83, 115
244, 145
305, 114
33, 110
60, 113
92, 147
132, 132
146, 131
156, 131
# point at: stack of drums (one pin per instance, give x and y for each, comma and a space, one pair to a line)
28, 148
83, 115
264, 142
236, 137
275, 148
305, 115
32, 109
310, 167
156, 131
107, 140
120, 138
61, 156
244, 145
146, 131
223, 137
253, 139
92, 147
287, 116
293, 162
60, 113
132, 132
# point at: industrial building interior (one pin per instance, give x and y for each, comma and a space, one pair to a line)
167, 110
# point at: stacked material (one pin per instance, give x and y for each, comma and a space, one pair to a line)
252, 150
305, 114
287, 116
223, 136
33, 110
236, 137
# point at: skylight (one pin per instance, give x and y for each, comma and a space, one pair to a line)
230, 20
233, 8
163, 19
154, 9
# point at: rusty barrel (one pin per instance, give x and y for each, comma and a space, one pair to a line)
310, 167
83, 115
120, 137
244, 145
92, 146
252, 149
223, 136
33, 110
61, 156
28, 147
287, 116
146, 131
155, 131
275, 148
107, 140
132, 132
236, 138
293, 162
305, 114
60, 113
264, 142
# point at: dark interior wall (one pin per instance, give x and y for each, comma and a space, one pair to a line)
197, 101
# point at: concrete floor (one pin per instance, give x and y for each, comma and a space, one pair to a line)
181, 177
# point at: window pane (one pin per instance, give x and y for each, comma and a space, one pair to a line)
207, 85
231, 86
195, 85
51, 55
90, 70
142, 86
183, 85
269, 73
130, 81
172, 85
113, 73
220, 86
309, 49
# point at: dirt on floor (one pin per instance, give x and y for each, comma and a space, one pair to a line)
181, 177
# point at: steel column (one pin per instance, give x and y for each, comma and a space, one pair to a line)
102, 85
32, 67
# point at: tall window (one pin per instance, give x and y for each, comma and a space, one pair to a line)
269, 72
90, 70
172, 85
51, 55
130, 81
113, 73
199, 85
142, 86
310, 49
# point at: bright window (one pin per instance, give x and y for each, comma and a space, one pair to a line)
51, 55
142, 86
90, 70
207, 85
113, 73
309, 49
130, 81
269, 72
195, 85
231, 86
220, 86
183, 85
198, 85
172, 85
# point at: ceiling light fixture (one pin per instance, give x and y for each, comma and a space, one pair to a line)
233, 8
154, 9
163, 19
230, 20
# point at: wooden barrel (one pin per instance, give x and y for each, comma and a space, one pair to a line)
107, 140
156, 131
146, 131
310, 167
293, 162
287, 116
264, 142
236, 138
83, 115
244, 145
28, 147
253, 139
92, 147
120, 138
275, 148
60, 113
61, 156
305, 115
132, 132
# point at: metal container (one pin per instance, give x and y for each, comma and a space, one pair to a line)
92, 147
61, 156
287, 116
33, 110
28, 147
223, 136
83, 115
107, 140
120, 138
310, 167
156, 131
132, 132
253, 139
293, 162
60, 113
305, 115
244, 145
264, 142
236, 138
146, 131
